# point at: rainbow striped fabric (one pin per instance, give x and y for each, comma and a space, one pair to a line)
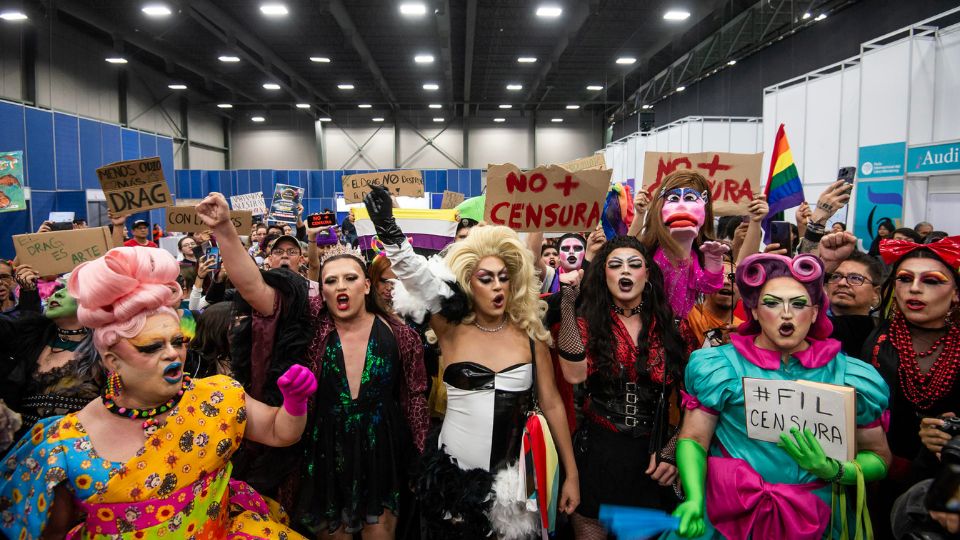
429, 231
617, 211
784, 189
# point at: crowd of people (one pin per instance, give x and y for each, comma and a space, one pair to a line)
280, 384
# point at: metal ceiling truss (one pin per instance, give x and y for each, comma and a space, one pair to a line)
429, 142
340, 14
756, 27
358, 149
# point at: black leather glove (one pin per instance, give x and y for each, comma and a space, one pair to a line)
380, 207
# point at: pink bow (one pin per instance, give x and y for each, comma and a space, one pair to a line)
741, 505
947, 249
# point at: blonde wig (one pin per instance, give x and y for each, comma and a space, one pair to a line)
524, 307
656, 234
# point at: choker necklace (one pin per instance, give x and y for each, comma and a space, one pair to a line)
633, 311
492, 330
150, 423
78, 332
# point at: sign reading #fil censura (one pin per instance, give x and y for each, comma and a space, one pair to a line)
929, 159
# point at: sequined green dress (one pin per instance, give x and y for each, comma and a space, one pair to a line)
358, 451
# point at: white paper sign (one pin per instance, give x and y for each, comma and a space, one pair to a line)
249, 201
828, 411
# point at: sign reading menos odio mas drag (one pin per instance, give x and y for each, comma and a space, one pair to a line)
940, 158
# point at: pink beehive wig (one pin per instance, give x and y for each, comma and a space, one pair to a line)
119, 291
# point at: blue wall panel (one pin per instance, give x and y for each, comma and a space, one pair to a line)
165, 151
474, 183
212, 184
39, 155
12, 223
148, 145
43, 202
72, 201
66, 131
11, 127
130, 144
91, 147
112, 149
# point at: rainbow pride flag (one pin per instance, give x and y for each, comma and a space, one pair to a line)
617, 211
784, 189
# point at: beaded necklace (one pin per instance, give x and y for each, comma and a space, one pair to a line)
150, 423
923, 389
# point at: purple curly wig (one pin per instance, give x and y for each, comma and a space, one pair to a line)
760, 268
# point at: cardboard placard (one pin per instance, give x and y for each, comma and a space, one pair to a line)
548, 199
134, 186
250, 201
186, 219
283, 207
11, 182
733, 178
399, 183
52, 253
594, 162
828, 410
451, 199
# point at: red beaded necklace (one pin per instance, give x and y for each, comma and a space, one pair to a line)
924, 389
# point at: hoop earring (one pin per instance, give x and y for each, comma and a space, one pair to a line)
114, 385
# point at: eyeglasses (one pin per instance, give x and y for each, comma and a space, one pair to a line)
853, 279
293, 252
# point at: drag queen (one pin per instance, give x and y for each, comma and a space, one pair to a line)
678, 231
151, 457
486, 312
749, 488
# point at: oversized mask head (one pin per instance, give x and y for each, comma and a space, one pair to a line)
572, 249
684, 211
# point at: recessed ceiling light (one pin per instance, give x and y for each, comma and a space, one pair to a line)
116, 60
224, 105
364, 106
177, 86
647, 106
438, 119
271, 86
572, 107
435, 106
676, 15
506, 106
320, 59
556, 120
228, 58
345, 86
731, 62
514, 87
325, 119
626, 60
498, 120
527, 59
273, 9
594, 88
681, 88
378, 119
303, 105
413, 9
806, 16
550, 11
156, 10
820, 17
14, 15
257, 119
431, 86
423, 58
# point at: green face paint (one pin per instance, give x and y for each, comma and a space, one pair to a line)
60, 304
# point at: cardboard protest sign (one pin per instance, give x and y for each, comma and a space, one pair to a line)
548, 199
400, 183
828, 410
733, 178
283, 208
59, 252
11, 182
134, 186
249, 201
451, 199
595, 161
186, 219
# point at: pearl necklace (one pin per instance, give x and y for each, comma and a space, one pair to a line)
492, 330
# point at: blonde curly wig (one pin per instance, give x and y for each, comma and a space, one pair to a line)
524, 306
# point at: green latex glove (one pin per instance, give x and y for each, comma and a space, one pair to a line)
872, 465
807, 452
692, 467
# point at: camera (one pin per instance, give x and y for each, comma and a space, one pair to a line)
944, 493
951, 425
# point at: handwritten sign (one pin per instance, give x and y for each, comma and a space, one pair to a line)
134, 186
400, 183
249, 201
283, 208
186, 219
827, 410
451, 199
733, 178
548, 199
594, 162
52, 253
11, 182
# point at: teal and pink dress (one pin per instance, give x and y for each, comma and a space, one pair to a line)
754, 489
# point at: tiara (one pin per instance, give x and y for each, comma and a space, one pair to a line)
338, 250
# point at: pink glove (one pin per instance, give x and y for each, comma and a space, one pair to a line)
297, 385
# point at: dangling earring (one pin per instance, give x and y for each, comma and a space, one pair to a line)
114, 385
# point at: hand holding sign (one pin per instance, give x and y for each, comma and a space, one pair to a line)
733, 178
807, 452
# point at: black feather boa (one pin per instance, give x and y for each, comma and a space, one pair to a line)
457, 306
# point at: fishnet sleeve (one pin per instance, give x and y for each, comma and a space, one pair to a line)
569, 339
